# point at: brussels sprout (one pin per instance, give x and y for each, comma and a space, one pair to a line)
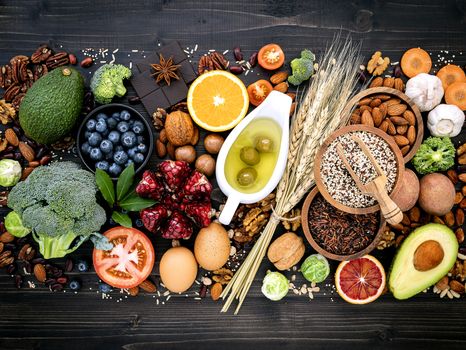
315, 268
275, 286
14, 225
10, 172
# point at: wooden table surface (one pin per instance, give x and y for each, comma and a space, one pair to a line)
39, 319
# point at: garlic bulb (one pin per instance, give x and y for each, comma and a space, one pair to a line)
425, 90
445, 120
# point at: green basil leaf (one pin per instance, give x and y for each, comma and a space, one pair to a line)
105, 185
122, 219
125, 180
133, 202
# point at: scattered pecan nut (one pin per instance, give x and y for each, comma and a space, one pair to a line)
212, 61
57, 60
41, 54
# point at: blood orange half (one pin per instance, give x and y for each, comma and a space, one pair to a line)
360, 281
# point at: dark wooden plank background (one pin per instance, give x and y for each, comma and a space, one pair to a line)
37, 319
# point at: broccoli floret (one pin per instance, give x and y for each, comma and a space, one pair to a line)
302, 68
435, 154
58, 202
107, 82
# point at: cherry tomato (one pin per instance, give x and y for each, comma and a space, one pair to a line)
258, 91
130, 261
271, 57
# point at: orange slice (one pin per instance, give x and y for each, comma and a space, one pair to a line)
415, 61
360, 281
217, 100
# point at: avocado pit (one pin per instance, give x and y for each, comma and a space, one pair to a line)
428, 255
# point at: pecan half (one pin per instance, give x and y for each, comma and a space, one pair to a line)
6, 77
17, 101
205, 64
39, 71
57, 60
219, 61
11, 92
41, 54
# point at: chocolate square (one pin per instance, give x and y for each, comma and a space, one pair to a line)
144, 64
176, 92
144, 83
187, 72
155, 100
173, 49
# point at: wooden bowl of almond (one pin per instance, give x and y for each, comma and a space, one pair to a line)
393, 112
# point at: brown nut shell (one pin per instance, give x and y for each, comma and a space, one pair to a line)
286, 251
179, 128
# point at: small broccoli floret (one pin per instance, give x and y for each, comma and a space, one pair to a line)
58, 203
435, 154
107, 82
302, 68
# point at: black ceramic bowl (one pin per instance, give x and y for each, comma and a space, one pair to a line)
109, 109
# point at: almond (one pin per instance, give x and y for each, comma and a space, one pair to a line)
392, 101
148, 286
26, 151
292, 108
384, 126
404, 150
40, 273
443, 283
415, 214
376, 82
195, 138
401, 129
133, 291
292, 95
461, 205
459, 216
355, 118
453, 176
366, 118
458, 197
411, 135
449, 219
375, 102
216, 291
391, 130
398, 120
383, 109
11, 137
282, 87
377, 116
279, 77
26, 172
456, 286
396, 109
459, 233
365, 101
462, 177
383, 97
171, 150
398, 84
410, 117
365, 108
34, 164
401, 140
163, 136
389, 82
160, 149
6, 237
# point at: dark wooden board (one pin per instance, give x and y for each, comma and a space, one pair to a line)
38, 319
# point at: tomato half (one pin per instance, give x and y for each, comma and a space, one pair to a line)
130, 261
258, 91
271, 57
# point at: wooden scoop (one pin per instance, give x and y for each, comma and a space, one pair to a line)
375, 188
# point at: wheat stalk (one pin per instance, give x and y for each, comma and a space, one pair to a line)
320, 113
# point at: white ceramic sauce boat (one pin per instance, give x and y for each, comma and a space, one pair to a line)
276, 107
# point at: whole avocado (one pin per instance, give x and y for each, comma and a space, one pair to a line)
52, 105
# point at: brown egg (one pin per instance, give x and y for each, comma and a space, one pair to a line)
178, 269
212, 247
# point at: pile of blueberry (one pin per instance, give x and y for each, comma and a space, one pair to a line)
112, 143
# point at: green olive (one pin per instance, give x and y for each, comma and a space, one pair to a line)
249, 155
246, 176
264, 144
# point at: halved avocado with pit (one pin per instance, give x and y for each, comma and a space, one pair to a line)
424, 257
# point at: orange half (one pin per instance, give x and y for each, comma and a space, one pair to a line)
217, 100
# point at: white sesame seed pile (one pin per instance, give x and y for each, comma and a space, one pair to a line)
338, 181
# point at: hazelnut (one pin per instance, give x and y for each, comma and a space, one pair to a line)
213, 143
185, 153
205, 164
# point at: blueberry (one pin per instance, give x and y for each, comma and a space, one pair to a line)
101, 126
120, 157
86, 148
131, 122
111, 123
109, 156
101, 116
82, 266
138, 127
90, 125
103, 165
114, 169
94, 139
95, 154
116, 116
141, 139
128, 139
124, 115
87, 134
142, 148
114, 136
106, 146
132, 151
75, 285
119, 148
122, 126
105, 288
139, 223
138, 158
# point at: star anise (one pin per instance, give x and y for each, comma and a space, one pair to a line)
166, 70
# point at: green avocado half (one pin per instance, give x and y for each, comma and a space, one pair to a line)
405, 280
52, 105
